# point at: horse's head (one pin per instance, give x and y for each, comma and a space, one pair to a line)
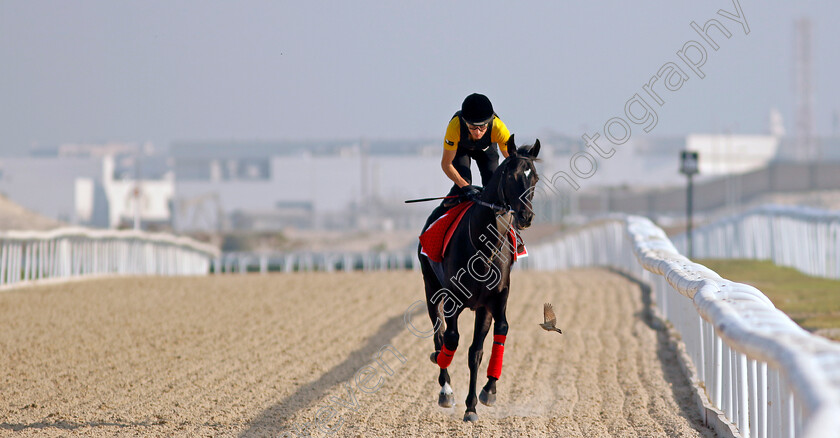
516, 178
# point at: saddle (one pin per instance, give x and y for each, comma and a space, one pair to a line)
434, 241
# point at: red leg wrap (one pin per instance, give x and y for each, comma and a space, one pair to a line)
494, 368
444, 358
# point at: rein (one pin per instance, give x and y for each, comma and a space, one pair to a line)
498, 209
500, 194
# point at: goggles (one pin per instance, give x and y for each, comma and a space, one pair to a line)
479, 127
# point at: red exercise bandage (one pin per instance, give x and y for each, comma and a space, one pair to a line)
494, 368
444, 358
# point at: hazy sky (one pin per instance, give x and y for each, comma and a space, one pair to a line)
163, 70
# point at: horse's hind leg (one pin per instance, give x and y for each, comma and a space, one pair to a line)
482, 327
432, 286
446, 398
435, 314
444, 357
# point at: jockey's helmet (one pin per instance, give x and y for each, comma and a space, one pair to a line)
477, 109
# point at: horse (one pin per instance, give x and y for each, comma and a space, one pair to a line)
475, 273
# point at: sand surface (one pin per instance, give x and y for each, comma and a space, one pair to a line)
279, 355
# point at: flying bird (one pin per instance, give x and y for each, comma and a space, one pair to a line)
550, 323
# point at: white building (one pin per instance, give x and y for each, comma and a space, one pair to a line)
88, 185
133, 202
275, 185
724, 154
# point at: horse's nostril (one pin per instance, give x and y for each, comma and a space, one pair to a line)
524, 220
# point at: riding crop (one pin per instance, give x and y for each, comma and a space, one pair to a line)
431, 199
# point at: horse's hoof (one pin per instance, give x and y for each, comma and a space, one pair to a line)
472, 417
446, 399
433, 356
486, 398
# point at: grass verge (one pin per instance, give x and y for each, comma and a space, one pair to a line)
812, 302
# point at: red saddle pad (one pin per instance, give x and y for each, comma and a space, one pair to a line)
434, 240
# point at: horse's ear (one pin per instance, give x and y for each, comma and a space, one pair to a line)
535, 150
511, 146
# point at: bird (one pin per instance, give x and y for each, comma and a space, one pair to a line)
550, 319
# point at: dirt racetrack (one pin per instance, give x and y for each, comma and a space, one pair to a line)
276, 356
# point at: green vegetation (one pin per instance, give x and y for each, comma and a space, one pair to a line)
813, 302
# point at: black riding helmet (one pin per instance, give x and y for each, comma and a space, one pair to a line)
477, 109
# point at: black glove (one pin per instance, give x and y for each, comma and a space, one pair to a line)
470, 192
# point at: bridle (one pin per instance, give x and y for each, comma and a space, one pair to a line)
503, 213
505, 208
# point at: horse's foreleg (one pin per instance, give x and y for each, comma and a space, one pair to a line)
494, 367
482, 327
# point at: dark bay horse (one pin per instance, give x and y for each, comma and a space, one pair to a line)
475, 274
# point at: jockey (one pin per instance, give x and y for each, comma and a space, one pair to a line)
473, 133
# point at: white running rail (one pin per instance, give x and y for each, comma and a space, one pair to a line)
264, 262
30, 256
757, 373
802, 238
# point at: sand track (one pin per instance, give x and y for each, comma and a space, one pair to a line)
274, 355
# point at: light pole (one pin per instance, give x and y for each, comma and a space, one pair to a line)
689, 167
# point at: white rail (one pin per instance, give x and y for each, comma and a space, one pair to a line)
263, 262
758, 374
798, 237
28, 256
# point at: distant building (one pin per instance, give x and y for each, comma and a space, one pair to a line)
91, 185
361, 184
147, 201
273, 185
268, 186
726, 154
